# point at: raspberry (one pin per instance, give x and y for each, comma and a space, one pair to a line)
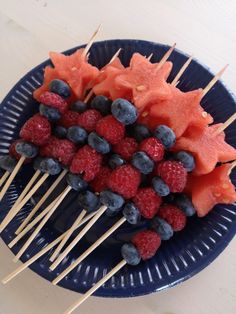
61, 149
147, 243
174, 174
99, 184
111, 129
53, 100
68, 119
124, 180
89, 119
13, 153
173, 215
147, 201
153, 148
126, 147
36, 130
87, 162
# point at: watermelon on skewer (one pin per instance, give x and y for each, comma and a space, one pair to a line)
213, 188
207, 147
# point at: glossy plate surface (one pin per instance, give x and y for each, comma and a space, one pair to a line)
180, 258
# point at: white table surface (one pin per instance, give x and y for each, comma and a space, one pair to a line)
28, 30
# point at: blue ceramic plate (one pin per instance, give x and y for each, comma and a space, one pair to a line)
184, 255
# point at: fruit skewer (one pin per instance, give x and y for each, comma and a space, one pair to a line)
143, 246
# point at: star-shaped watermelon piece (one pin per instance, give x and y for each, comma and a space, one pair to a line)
146, 83
75, 70
105, 83
207, 146
213, 188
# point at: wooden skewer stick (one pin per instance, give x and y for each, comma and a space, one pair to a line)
26, 189
150, 57
95, 287
165, 57
214, 80
42, 200
115, 55
89, 250
11, 177
32, 224
91, 41
181, 71
232, 166
42, 223
4, 177
42, 252
226, 124
101, 210
66, 238
15, 211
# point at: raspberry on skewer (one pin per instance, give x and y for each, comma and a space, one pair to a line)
132, 255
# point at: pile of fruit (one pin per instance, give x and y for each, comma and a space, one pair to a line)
131, 142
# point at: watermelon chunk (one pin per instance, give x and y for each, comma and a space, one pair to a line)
147, 84
73, 69
105, 82
211, 189
179, 112
206, 147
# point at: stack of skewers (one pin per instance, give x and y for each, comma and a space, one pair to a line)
125, 142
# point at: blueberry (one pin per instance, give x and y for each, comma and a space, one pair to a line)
52, 114
116, 161
98, 143
112, 200
130, 254
185, 203
77, 135
76, 182
102, 104
131, 213
165, 135
60, 87
88, 201
160, 186
79, 106
50, 166
162, 227
140, 132
124, 111
187, 160
37, 163
26, 149
7, 163
59, 131
142, 162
